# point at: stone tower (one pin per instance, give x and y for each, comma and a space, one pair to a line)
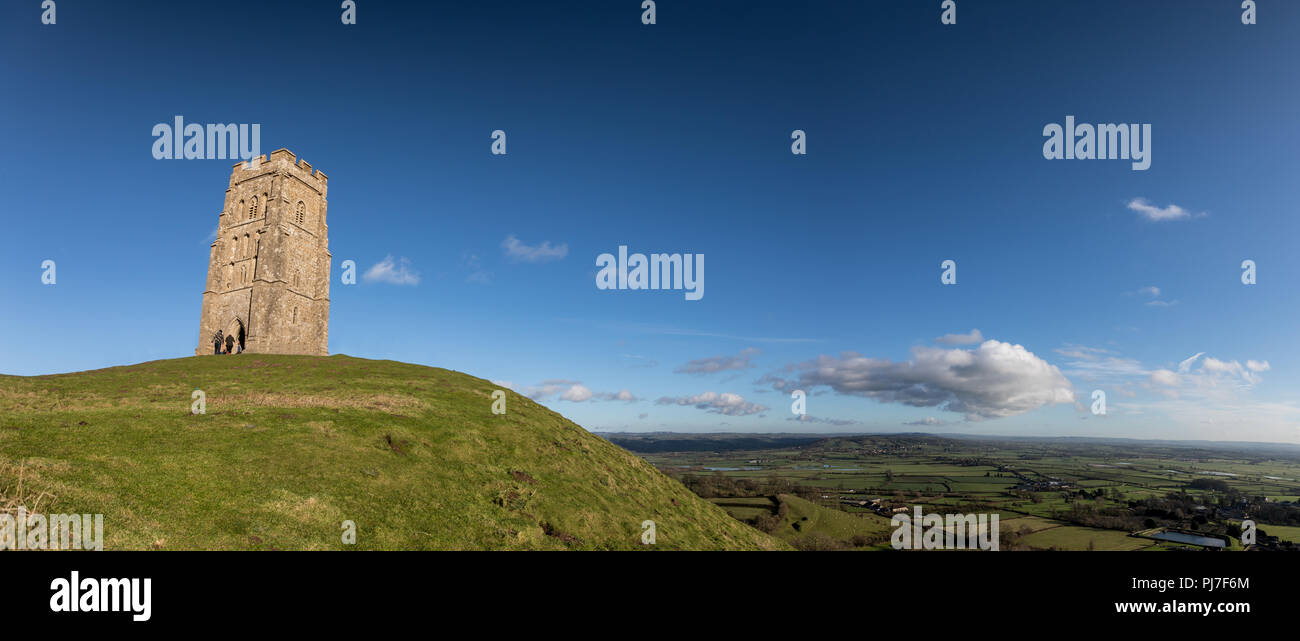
269, 269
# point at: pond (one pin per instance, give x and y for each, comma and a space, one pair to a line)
1193, 539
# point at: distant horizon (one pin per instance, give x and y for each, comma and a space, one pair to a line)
1024, 437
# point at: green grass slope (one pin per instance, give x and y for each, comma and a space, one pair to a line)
809, 526
292, 446
805, 519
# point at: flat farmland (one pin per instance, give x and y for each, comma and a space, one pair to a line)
1063, 496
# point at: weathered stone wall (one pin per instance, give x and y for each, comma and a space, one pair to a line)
269, 268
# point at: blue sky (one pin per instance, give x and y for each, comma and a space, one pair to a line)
924, 144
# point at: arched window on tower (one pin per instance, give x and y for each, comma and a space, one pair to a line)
295, 316
300, 213
252, 209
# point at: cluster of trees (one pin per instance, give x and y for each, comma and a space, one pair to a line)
818, 541
770, 523
1010, 539
1095, 514
715, 486
1213, 485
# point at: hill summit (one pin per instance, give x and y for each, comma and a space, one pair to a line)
291, 447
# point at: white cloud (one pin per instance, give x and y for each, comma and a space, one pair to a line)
1257, 366
993, 380
477, 274
1231, 369
1186, 365
1158, 214
574, 392
726, 403
714, 364
961, 339
1152, 292
1213, 378
548, 388
393, 272
1098, 364
621, 395
577, 394
1166, 378
517, 250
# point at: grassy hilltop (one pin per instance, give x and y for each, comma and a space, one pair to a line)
291, 446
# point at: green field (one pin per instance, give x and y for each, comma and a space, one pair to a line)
1068, 537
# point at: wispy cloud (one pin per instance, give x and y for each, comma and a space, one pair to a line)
517, 250
634, 360
662, 330
838, 422
621, 395
575, 392
1152, 293
472, 264
1152, 213
1186, 365
974, 336
726, 403
715, 364
1207, 377
393, 272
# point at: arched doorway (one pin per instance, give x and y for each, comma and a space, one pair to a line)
235, 336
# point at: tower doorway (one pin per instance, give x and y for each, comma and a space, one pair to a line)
236, 336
